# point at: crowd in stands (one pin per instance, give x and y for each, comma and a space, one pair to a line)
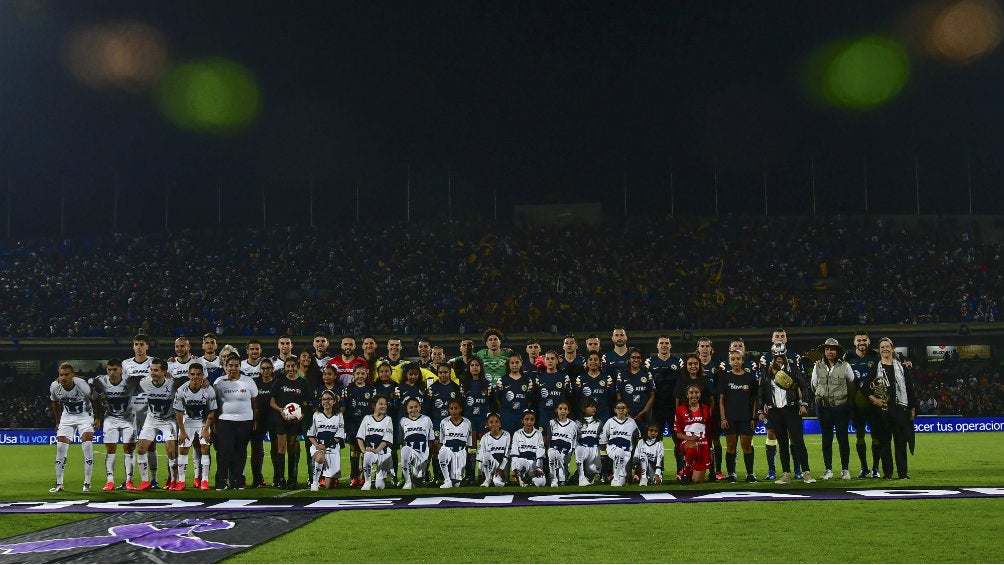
970, 388
408, 279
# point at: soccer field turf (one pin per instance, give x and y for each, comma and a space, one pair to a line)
958, 530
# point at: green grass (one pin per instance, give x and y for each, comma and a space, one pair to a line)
961, 530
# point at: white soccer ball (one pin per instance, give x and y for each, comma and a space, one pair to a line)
498, 481
292, 412
540, 481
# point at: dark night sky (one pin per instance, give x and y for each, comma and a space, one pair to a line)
537, 101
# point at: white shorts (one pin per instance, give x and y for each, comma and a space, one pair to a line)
332, 461
116, 429
151, 426
194, 428
71, 424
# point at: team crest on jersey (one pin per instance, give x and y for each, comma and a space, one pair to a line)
674, 367
603, 383
524, 388
453, 394
644, 379
871, 364
557, 385
366, 396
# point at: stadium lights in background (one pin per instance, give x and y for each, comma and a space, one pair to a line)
215, 95
867, 72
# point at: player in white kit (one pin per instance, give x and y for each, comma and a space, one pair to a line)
526, 453
159, 391
195, 409
71, 406
375, 438
562, 439
417, 435
118, 420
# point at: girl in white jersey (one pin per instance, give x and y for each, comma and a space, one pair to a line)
416, 435
375, 438
650, 454
326, 435
587, 453
492, 452
562, 439
618, 437
526, 453
455, 435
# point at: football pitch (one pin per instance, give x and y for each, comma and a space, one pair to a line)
957, 530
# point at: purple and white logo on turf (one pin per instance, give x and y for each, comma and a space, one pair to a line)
175, 536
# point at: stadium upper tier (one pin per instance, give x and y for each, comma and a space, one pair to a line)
383, 278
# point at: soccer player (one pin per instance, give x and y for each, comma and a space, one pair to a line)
785, 397
462, 362
780, 335
115, 412
593, 344
454, 441
135, 369
424, 347
211, 363
562, 439
357, 398
513, 394
649, 455
494, 360
737, 396
571, 363
553, 387
269, 419
346, 363
474, 392
533, 357
864, 362
375, 437
492, 450
159, 391
587, 453
616, 360
705, 352
394, 359
690, 429
285, 346
832, 383
526, 453
326, 435
596, 385
665, 368
195, 409
617, 438
320, 353
369, 354
441, 392
417, 435
177, 366
289, 390
636, 387
251, 367
71, 406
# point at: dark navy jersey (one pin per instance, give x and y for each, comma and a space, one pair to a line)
665, 372
474, 395
600, 389
863, 367
615, 362
357, 401
707, 390
635, 389
513, 396
405, 391
440, 396
552, 388
386, 390
572, 368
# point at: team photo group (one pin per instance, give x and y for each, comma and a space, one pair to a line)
489, 416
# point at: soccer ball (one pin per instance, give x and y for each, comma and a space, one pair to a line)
292, 412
